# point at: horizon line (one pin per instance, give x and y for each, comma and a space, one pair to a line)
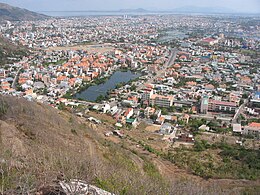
149, 11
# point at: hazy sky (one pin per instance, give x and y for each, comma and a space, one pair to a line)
249, 6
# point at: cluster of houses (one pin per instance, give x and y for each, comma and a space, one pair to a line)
252, 129
203, 80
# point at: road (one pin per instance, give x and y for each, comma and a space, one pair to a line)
239, 111
16, 78
227, 119
87, 103
171, 60
161, 72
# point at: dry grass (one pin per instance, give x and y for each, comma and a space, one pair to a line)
38, 147
152, 128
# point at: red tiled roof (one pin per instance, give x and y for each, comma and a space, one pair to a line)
254, 124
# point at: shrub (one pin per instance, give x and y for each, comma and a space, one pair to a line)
3, 107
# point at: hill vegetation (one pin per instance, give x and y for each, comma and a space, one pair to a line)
219, 160
11, 13
10, 52
40, 145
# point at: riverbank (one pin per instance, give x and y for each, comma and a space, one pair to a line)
84, 86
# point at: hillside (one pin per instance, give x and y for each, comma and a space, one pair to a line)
11, 13
40, 145
10, 52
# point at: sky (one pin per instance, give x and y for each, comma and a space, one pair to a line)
246, 6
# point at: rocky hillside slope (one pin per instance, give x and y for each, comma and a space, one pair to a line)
11, 13
10, 52
41, 146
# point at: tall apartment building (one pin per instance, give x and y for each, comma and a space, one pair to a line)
146, 95
204, 105
2, 74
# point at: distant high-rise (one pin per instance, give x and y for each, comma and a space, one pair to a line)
222, 36
204, 105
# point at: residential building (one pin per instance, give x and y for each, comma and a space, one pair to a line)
221, 106
161, 101
204, 105
237, 128
252, 129
129, 112
146, 95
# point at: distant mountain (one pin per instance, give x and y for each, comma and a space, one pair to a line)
133, 10
11, 13
194, 9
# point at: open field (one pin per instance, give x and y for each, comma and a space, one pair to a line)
90, 48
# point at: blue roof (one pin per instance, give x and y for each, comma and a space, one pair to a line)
257, 94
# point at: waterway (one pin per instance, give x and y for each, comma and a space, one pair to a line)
91, 93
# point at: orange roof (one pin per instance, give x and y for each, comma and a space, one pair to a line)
95, 74
133, 98
22, 80
183, 57
61, 78
174, 118
209, 86
176, 65
72, 81
254, 124
66, 64
29, 91
169, 98
245, 78
161, 118
206, 68
191, 83
84, 59
5, 87
148, 85
128, 111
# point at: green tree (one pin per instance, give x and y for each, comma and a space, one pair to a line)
133, 87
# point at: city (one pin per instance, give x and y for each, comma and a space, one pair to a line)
156, 82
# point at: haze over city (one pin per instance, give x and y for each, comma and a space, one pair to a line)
241, 6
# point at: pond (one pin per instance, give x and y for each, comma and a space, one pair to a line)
91, 93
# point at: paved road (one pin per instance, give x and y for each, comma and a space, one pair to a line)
161, 72
86, 102
16, 78
171, 60
239, 111
227, 119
